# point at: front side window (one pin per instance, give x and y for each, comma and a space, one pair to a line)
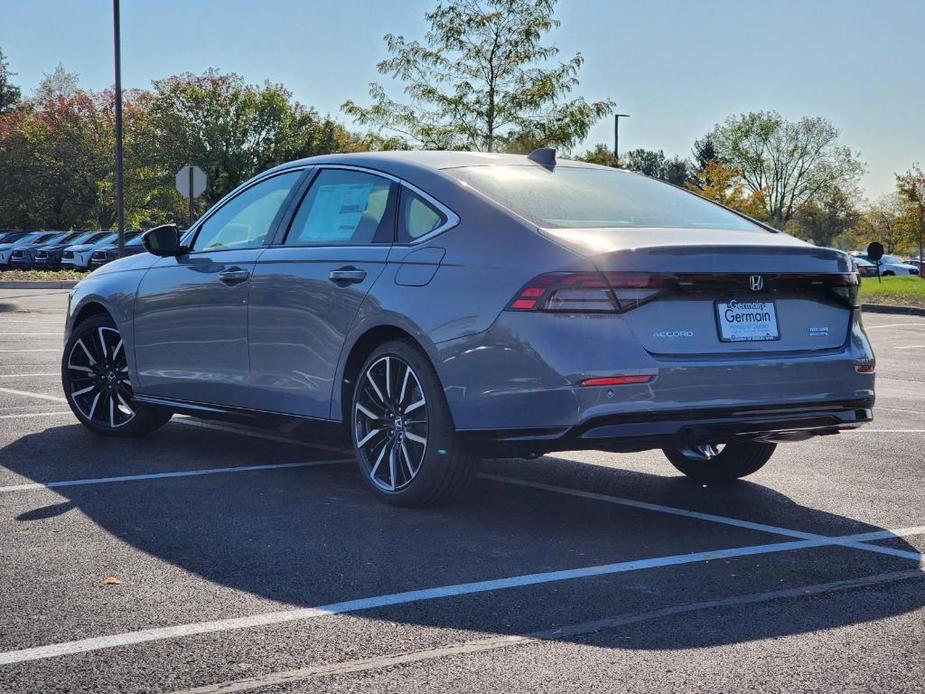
572, 197
344, 208
418, 217
246, 219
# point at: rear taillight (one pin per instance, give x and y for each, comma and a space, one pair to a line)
618, 292
581, 292
589, 292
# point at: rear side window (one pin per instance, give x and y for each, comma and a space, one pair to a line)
345, 208
246, 219
417, 217
573, 197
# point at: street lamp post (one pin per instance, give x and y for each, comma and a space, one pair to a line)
120, 190
616, 135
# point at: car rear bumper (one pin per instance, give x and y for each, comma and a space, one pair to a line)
643, 431
523, 376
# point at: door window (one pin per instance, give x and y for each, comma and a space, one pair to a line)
344, 208
245, 220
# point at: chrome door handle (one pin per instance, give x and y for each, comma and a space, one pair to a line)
233, 276
347, 275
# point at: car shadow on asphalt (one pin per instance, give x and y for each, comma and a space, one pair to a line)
315, 536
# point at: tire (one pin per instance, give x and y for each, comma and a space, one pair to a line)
709, 463
888, 273
402, 431
94, 375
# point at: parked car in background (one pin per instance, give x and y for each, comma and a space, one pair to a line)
24, 258
107, 254
445, 306
77, 256
865, 268
891, 265
30, 239
48, 257
8, 235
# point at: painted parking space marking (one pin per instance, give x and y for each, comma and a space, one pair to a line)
24, 351
32, 486
910, 347
23, 415
36, 375
38, 396
498, 642
426, 594
698, 515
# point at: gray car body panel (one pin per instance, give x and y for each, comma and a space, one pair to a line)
281, 342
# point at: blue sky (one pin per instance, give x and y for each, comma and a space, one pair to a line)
676, 66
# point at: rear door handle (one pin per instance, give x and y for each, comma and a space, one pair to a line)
347, 275
233, 276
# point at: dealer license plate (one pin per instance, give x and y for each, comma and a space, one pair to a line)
747, 321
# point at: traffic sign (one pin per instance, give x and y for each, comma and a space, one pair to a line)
191, 181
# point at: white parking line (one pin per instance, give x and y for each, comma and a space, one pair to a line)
34, 414
910, 324
55, 373
23, 351
698, 515
884, 431
164, 475
910, 347
38, 396
498, 642
413, 596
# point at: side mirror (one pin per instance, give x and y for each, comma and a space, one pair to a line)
163, 241
875, 251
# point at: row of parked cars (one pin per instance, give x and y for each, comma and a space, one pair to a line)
54, 250
889, 265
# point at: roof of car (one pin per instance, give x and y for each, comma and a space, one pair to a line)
424, 159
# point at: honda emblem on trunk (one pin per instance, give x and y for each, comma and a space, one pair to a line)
756, 282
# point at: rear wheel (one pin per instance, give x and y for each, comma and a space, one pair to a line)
721, 461
94, 374
402, 431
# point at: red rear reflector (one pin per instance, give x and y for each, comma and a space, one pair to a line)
524, 304
865, 367
616, 380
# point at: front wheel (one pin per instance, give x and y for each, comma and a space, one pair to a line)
713, 462
94, 374
402, 431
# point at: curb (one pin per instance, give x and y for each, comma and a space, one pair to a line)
39, 284
887, 308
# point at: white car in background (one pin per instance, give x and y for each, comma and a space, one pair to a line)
891, 265
78, 257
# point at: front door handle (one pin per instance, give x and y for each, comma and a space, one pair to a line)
347, 275
233, 276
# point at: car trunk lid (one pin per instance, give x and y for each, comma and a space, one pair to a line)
723, 292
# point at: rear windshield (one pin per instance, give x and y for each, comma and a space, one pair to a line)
573, 197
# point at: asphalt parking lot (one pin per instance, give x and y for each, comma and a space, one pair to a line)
221, 559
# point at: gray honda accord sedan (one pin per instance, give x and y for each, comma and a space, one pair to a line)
440, 307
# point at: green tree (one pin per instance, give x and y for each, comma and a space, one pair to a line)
655, 164
232, 130
599, 154
9, 92
59, 144
788, 162
827, 216
910, 187
882, 221
482, 80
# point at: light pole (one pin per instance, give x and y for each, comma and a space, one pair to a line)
616, 134
120, 190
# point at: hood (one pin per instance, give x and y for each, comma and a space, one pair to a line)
80, 247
